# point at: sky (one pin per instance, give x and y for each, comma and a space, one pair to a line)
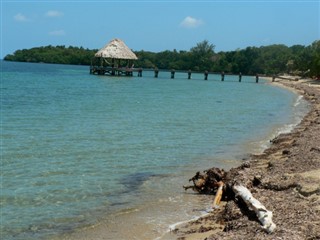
158, 25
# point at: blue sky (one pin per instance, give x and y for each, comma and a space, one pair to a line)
158, 25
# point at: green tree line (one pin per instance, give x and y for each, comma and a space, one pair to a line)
53, 54
268, 60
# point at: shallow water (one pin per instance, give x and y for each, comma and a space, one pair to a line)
80, 149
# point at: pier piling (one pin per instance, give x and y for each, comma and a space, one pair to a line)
172, 73
156, 72
206, 75
189, 74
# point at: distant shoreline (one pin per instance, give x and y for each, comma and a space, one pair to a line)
264, 61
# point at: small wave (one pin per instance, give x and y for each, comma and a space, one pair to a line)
127, 211
301, 108
286, 128
298, 101
173, 226
262, 145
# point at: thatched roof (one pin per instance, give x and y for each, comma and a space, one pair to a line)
117, 49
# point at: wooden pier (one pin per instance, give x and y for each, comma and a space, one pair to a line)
125, 71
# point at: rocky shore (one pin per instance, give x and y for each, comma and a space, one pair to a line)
285, 178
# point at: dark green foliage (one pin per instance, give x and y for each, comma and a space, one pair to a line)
50, 54
269, 60
202, 55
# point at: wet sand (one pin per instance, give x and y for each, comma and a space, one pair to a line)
285, 178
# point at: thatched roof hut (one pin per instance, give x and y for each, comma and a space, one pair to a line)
121, 59
116, 49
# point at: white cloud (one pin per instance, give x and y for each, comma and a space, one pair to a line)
21, 18
57, 33
190, 22
53, 13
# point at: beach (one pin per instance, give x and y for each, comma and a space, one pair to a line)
285, 178
93, 186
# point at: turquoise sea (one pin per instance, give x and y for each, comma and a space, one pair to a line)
81, 150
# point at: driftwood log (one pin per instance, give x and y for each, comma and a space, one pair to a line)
264, 216
219, 183
207, 182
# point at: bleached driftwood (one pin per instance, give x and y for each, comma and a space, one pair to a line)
218, 195
264, 216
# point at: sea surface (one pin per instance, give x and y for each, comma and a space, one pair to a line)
81, 150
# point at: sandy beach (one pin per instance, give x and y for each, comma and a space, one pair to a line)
285, 178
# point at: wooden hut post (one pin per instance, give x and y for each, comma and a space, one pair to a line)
119, 67
100, 71
91, 67
112, 65
128, 69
